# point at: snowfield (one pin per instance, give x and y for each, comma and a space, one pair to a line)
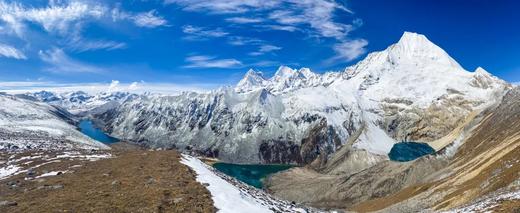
230, 198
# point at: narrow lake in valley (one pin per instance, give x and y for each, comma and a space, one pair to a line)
251, 174
408, 151
88, 128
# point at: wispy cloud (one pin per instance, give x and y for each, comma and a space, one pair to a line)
316, 18
202, 61
53, 18
201, 33
68, 17
80, 44
149, 19
61, 63
265, 49
241, 40
11, 52
224, 6
348, 50
244, 20
280, 27
284, 14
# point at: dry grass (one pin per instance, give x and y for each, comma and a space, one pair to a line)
134, 181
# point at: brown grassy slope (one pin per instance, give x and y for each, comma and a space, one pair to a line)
134, 181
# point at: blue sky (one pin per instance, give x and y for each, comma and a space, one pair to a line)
205, 43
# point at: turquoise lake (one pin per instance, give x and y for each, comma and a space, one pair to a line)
251, 174
408, 151
88, 128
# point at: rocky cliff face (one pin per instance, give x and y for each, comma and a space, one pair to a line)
413, 90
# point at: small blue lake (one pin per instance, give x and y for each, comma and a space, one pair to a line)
88, 128
250, 174
408, 151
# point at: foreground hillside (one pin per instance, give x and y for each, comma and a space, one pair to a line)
126, 181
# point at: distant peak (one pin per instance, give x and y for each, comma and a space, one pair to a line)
416, 48
481, 70
414, 40
412, 35
253, 73
307, 73
252, 80
284, 71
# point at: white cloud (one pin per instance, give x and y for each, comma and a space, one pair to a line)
316, 18
280, 27
149, 19
265, 49
224, 6
11, 52
81, 45
288, 15
200, 33
349, 50
53, 18
240, 41
62, 63
244, 20
68, 17
201, 61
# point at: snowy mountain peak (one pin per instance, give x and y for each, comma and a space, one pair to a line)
414, 38
253, 73
285, 79
307, 73
284, 72
251, 81
482, 71
415, 48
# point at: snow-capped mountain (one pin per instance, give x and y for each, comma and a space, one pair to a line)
79, 101
413, 90
284, 80
29, 125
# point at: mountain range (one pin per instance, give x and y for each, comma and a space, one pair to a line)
411, 91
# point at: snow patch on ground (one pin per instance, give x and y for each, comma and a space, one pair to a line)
485, 205
19, 164
233, 196
227, 197
48, 174
8, 171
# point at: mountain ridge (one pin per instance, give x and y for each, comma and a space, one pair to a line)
298, 114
